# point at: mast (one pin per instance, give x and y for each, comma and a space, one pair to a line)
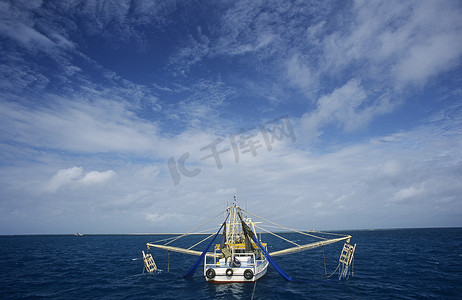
233, 225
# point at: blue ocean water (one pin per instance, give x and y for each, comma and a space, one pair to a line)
389, 264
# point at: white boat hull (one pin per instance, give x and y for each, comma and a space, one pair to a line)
222, 274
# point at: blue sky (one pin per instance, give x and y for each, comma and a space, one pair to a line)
317, 114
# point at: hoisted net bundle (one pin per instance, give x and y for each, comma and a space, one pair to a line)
345, 260
149, 263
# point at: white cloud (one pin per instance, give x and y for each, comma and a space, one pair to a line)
75, 177
97, 177
254, 26
204, 106
63, 177
302, 76
436, 54
370, 184
190, 54
348, 107
408, 193
391, 168
411, 40
25, 35
78, 126
18, 24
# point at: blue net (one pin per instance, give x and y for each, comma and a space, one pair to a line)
194, 267
249, 232
271, 260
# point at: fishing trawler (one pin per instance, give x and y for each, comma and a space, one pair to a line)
241, 256
237, 258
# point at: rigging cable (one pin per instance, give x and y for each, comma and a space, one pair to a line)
334, 271
201, 241
185, 234
282, 238
294, 230
193, 268
331, 233
253, 292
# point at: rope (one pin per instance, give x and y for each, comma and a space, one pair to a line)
277, 236
208, 230
291, 229
200, 241
272, 226
185, 234
253, 292
194, 267
353, 268
339, 234
163, 240
334, 271
170, 238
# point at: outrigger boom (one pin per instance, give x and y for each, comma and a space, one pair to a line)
180, 250
309, 246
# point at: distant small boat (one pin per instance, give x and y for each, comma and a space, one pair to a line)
78, 234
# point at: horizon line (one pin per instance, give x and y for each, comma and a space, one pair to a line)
202, 233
